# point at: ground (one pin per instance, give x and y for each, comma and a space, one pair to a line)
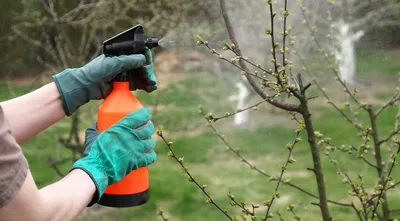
262, 142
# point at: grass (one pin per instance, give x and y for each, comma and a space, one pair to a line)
263, 143
369, 62
378, 62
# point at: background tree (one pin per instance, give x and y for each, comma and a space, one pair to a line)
274, 82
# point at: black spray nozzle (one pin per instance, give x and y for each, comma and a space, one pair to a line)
131, 41
152, 42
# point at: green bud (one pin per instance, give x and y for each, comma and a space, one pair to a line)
267, 203
286, 13
291, 160
198, 38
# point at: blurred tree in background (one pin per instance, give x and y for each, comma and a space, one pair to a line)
47, 34
43, 20
383, 33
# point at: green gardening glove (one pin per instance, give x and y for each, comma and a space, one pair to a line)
93, 81
111, 155
144, 78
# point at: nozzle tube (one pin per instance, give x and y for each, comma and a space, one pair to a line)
151, 42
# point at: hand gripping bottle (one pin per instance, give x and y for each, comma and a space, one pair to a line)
132, 190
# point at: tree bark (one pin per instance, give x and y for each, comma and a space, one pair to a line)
319, 174
378, 159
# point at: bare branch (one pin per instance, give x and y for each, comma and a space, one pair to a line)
329, 100
248, 61
284, 168
363, 158
71, 15
232, 62
214, 119
282, 105
378, 159
252, 166
191, 178
285, 34
50, 8
334, 70
376, 14
160, 213
55, 163
382, 191
391, 135
391, 102
236, 151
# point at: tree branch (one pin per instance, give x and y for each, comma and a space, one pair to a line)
382, 191
329, 100
390, 102
335, 71
262, 172
378, 158
319, 175
227, 115
191, 178
279, 104
284, 168
160, 213
392, 134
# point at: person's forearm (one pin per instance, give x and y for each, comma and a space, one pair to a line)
61, 201
33, 112
66, 199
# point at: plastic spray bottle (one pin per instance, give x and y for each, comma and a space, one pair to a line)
133, 189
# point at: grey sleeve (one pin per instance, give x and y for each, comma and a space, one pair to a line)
13, 164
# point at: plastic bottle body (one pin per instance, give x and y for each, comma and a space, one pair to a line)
133, 189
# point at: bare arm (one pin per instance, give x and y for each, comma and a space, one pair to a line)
61, 201
31, 113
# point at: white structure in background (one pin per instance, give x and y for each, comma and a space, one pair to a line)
345, 54
242, 102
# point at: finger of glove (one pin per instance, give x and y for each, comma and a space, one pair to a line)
104, 66
150, 72
102, 91
150, 81
91, 135
145, 131
137, 78
151, 157
135, 119
151, 88
149, 65
127, 62
148, 145
144, 84
149, 56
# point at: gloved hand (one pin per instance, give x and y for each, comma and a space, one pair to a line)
77, 86
144, 78
111, 155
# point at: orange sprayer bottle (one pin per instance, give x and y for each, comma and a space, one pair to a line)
132, 190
